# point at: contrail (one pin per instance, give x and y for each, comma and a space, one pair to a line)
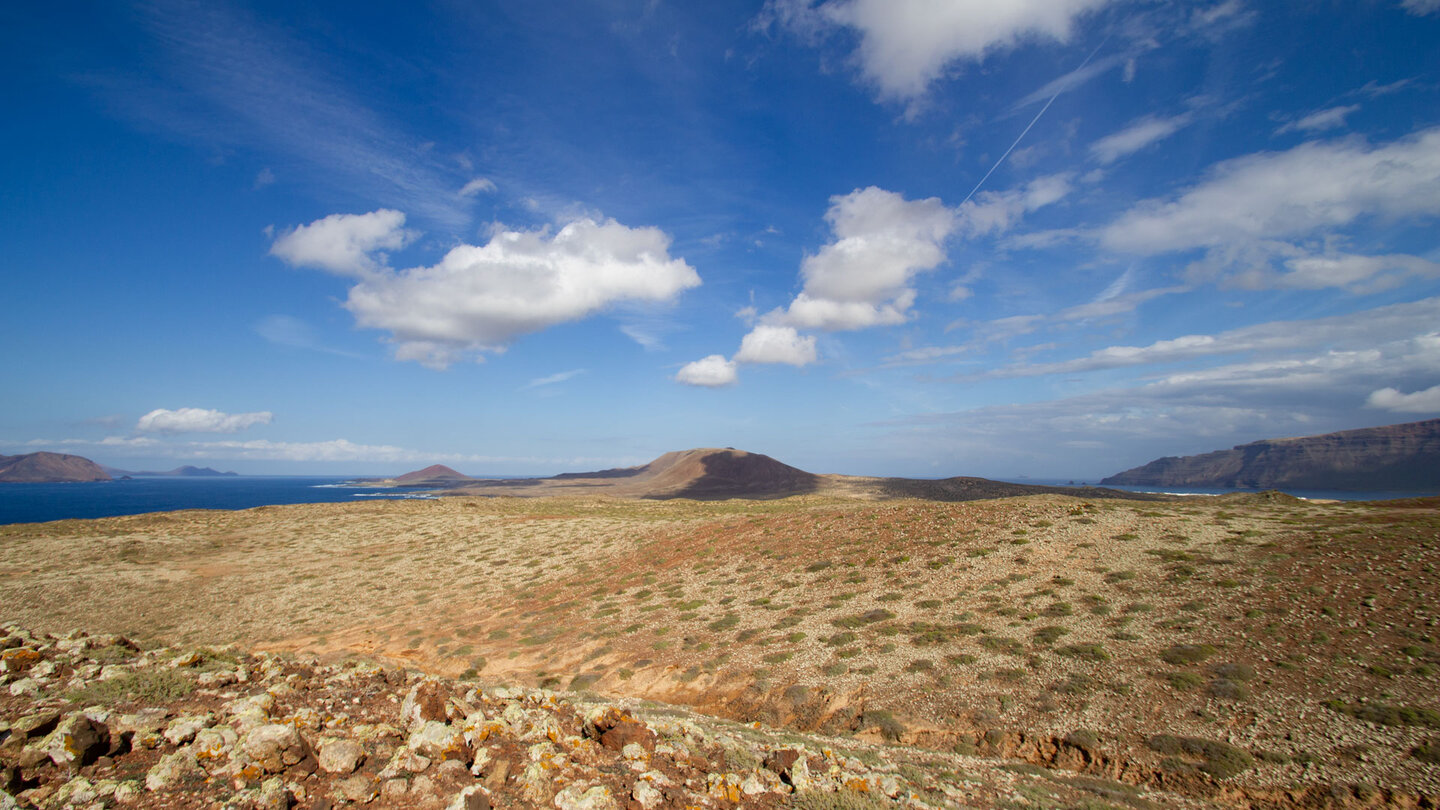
1023, 132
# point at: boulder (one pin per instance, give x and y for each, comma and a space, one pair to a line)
424, 702
340, 756
76, 741
435, 741
173, 770
274, 747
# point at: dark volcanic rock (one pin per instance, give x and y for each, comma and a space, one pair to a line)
1397, 457
36, 468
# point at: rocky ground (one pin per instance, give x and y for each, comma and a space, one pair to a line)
1258, 651
95, 722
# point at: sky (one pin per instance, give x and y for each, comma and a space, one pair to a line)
1044, 238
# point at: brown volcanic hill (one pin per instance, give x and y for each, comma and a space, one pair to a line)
434, 474
1397, 457
42, 467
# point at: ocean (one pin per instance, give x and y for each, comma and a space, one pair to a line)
33, 503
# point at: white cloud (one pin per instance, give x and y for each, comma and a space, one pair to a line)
861, 278
1136, 136
476, 186
479, 297
1421, 7
1352, 332
907, 44
993, 212
1332, 118
553, 378
1390, 399
776, 344
1248, 206
708, 372
1314, 272
199, 420
264, 178
343, 243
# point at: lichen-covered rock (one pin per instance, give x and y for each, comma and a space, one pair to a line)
213, 745
174, 770
340, 756
151, 720
182, 730
274, 747
76, 741
425, 702
473, 797
579, 797
19, 659
435, 741
359, 788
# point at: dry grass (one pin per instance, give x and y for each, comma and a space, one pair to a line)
1236, 622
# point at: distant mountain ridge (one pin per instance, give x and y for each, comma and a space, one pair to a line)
1394, 457
43, 467
186, 471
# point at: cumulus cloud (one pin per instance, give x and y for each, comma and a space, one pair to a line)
907, 44
861, 278
199, 420
1421, 7
1391, 399
1136, 136
344, 243
476, 186
1279, 195
776, 344
480, 297
708, 372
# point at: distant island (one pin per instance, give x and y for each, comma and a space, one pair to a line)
186, 471
711, 473
43, 468
1396, 457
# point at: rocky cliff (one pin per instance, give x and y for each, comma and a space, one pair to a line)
1395, 457
35, 468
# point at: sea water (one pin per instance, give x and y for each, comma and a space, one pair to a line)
33, 503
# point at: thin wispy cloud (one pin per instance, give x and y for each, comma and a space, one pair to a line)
227, 77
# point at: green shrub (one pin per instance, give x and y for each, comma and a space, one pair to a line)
148, 686
1387, 715
1427, 751
1085, 652
890, 728
1182, 654
1221, 760
1184, 681
1050, 634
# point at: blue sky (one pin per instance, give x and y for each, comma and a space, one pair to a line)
1054, 238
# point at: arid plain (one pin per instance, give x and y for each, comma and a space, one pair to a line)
1248, 649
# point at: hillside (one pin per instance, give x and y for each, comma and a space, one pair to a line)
1396, 457
1247, 652
49, 468
437, 475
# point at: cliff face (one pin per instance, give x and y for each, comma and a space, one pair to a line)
34, 468
1397, 457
